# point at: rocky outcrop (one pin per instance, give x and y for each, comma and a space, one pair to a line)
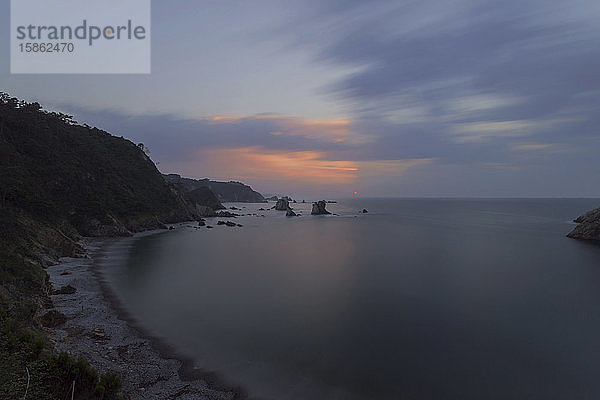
290, 213
318, 208
67, 289
203, 196
588, 228
95, 228
204, 211
283, 204
225, 191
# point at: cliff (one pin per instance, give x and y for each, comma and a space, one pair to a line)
60, 181
588, 228
225, 191
58, 172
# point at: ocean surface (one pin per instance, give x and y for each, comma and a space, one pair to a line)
418, 299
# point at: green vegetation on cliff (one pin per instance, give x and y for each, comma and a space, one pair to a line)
59, 172
60, 181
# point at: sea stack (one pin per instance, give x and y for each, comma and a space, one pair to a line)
318, 208
588, 228
283, 204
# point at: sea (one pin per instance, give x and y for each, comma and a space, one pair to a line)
416, 299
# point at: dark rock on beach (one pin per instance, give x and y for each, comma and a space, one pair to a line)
99, 333
318, 208
52, 319
588, 228
290, 213
364, 211
67, 289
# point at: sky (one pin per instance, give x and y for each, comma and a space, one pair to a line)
384, 98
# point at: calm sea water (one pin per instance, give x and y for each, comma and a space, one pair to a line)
418, 299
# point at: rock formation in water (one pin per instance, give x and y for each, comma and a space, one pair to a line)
290, 213
283, 204
318, 208
588, 228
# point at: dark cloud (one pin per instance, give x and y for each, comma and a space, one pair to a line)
503, 96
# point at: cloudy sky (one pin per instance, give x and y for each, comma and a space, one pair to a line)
387, 98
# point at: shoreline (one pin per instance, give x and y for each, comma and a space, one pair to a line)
101, 330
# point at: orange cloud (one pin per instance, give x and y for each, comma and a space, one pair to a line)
333, 130
261, 164
282, 168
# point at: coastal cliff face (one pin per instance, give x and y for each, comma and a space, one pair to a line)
60, 181
588, 228
225, 191
205, 201
57, 172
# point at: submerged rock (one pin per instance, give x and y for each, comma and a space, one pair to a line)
588, 228
318, 208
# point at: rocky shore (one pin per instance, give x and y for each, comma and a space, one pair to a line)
588, 228
100, 330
